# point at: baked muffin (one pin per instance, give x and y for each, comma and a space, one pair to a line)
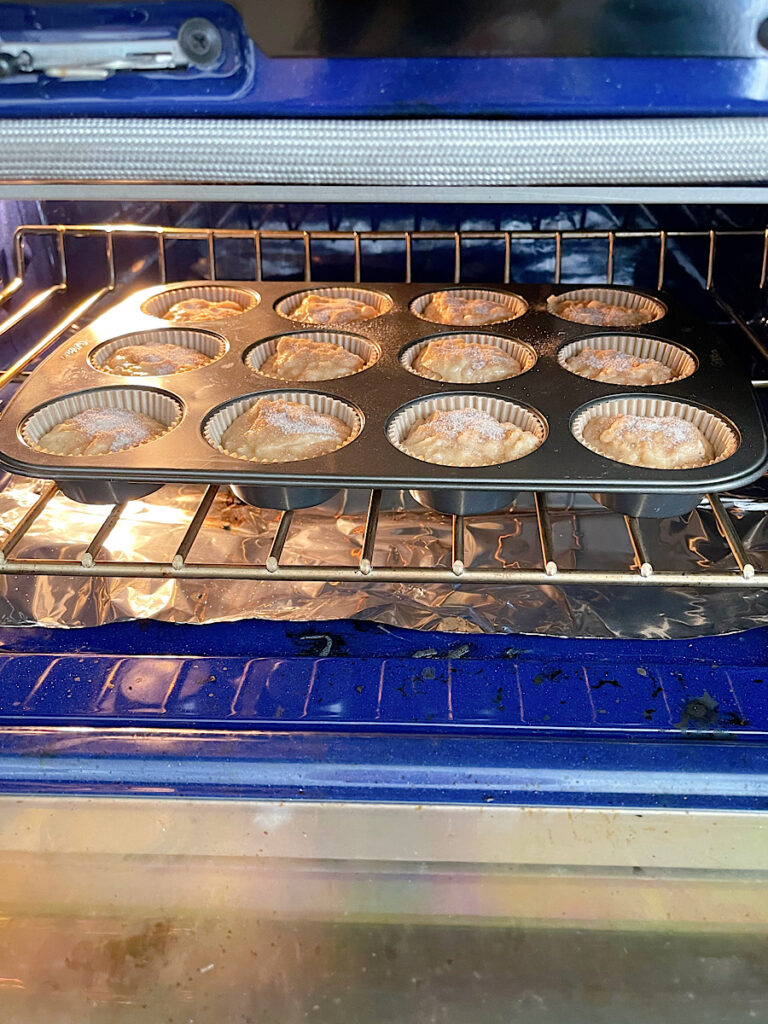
328, 310
278, 430
656, 442
302, 359
450, 308
197, 310
467, 437
460, 361
99, 432
602, 314
157, 360
612, 367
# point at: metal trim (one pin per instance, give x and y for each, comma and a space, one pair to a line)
401, 833
95, 189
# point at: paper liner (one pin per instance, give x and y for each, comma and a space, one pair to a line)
525, 354
516, 303
287, 306
158, 406
612, 296
679, 360
211, 345
366, 350
501, 409
158, 305
225, 415
718, 431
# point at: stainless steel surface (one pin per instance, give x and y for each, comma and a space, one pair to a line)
156, 911
399, 153
39, 189
396, 833
91, 558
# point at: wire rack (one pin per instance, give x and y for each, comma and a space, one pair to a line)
180, 563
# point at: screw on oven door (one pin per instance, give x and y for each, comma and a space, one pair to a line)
200, 41
12, 65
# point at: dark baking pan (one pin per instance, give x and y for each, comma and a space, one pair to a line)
718, 385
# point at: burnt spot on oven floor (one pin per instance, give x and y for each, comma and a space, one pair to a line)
700, 712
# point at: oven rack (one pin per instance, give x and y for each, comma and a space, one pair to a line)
180, 565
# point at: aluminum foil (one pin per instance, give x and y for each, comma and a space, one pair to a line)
584, 536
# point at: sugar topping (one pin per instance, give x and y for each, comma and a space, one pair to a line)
295, 418
479, 355
467, 437
452, 422
460, 360
670, 430
308, 359
98, 431
617, 367
157, 359
128, 427
278, 430
656, 442
610, 359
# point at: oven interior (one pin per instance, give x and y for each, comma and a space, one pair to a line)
437, 824
348, 672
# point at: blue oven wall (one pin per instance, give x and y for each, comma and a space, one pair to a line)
250, 84
356, 710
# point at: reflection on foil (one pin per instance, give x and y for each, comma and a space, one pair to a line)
584, 537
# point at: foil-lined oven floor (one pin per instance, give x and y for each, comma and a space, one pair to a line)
583, 535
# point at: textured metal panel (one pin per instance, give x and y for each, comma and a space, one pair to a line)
419, 153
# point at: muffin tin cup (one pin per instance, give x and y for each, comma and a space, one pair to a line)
281, 496
657, 505
262, 350
613, 297
183, 455
287, 306
211, 345
523, 353
517, 304
159, 304
462, 501
679, 360
161, 407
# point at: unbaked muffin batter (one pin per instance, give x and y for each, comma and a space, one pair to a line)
196, 311
325, 310
303, 359
450, 308
467, 437
603, 314
99, 431
657, 442
158, 360
465, 362
277, 430
614, 367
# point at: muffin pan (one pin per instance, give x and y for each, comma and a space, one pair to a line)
555, 396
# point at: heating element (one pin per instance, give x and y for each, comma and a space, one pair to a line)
741, 570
